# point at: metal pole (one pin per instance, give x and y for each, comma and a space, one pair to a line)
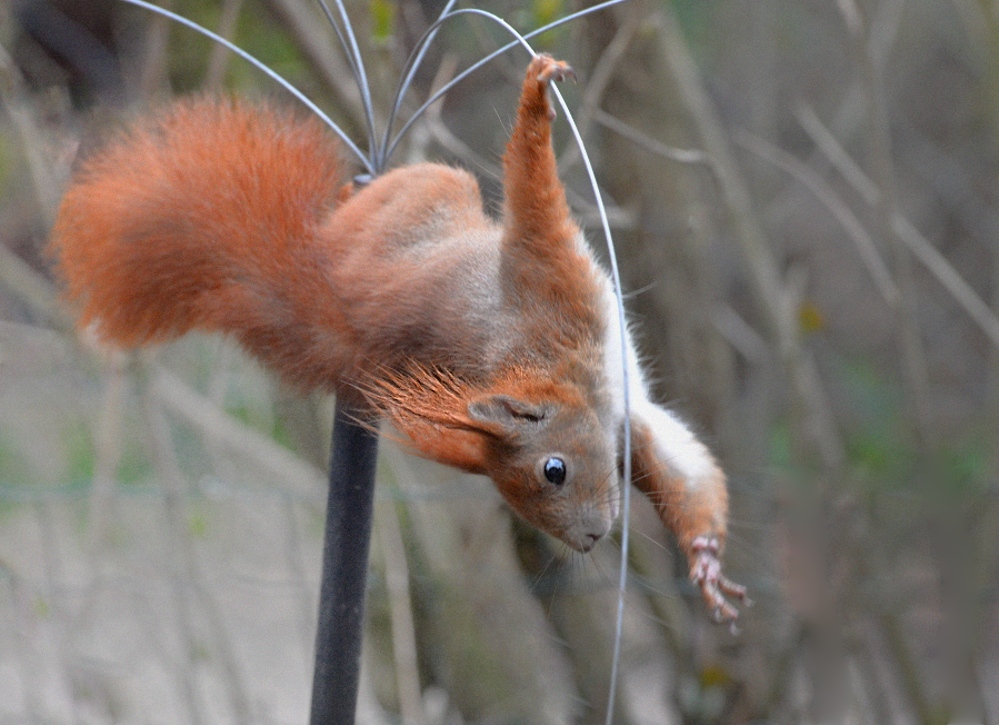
345, 568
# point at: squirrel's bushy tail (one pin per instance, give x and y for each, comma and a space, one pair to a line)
194, 218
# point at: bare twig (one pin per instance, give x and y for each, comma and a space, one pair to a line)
599, 79
401, 612
290, 473
314, 39
683, 156
934, 262
153, 73
218, 61
12, 98
835, 153
768, 288
912, 353
869, 254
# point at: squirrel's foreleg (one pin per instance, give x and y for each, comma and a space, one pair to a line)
535, 207
683, 481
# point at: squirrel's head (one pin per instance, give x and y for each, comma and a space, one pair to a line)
553, 462
540, 441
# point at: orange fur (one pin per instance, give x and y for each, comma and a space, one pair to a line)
485, 343
688, 511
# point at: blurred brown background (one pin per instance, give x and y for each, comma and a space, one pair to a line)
804, 199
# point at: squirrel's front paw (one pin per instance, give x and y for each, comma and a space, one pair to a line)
547, 69
543, 70
705, 572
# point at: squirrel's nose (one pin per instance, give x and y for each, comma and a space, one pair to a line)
593, 528
590, 540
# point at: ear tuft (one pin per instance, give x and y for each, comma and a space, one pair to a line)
507, 413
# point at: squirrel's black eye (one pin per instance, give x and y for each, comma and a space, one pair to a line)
555, 471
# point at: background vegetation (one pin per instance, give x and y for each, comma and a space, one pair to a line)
804, 198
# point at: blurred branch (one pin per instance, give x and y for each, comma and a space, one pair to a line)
600, 77
740, 335
154, 76
818, 424
493, 643
835, 153
912, 352
294, 475
683, 156
649, 563
875, 266
185, 565
108, 445
986, 319
884, 31
168, 474
291, 473
32, 289
400, 611
315, 40
13, 98
442, 134
218, 61
18, 276
54, 582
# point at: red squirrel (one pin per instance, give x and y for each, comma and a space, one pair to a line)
491, 346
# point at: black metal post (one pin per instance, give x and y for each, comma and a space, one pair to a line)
345, 568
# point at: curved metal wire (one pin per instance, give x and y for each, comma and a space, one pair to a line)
260, 65
626, 392
380, 156
390, 148
618, 293
356, 60
412, 65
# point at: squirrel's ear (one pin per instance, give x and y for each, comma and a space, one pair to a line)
504, 415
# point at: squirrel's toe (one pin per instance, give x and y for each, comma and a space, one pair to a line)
547, 69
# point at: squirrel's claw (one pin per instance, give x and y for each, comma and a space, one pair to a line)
547, 69
705, 572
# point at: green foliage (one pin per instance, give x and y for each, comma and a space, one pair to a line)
881, 453
134, 466
80, 454
190, 51
383, 16
197, 525
266, 41
14, 467
273, 427
780, 448
694, 16
544, 12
